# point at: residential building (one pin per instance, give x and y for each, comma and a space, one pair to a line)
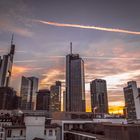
28, 127
99, 100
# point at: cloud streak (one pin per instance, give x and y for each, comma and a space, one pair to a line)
88, 27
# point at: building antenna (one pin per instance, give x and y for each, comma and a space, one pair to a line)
70, 47
12, 39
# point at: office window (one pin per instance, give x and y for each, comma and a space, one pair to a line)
21, 132
1, 135
55, 132
9, 133
50, 132
45, 132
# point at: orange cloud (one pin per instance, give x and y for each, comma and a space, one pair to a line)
88, 27
50, 77
18, 70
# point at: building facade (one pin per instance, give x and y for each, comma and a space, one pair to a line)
29, 127
75, 83
55, 97
99, 101
43, 100
132, 100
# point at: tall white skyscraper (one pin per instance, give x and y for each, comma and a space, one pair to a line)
132, 100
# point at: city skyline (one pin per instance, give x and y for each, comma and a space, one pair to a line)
41, 49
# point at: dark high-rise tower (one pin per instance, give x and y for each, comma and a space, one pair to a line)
75, 83
6, 66
99, 101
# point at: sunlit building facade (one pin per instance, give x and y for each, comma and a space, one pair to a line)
99, 100
55, 97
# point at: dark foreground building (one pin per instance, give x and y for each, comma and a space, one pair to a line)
43, 100
8, 99
104, 131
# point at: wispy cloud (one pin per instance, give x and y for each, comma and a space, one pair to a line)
6, 26
88, 27
120, 79
50, 77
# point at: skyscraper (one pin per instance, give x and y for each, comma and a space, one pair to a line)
6, 66
132, 100
25, 93
75, 83
55, 97
29, 87
43, 100
99, 101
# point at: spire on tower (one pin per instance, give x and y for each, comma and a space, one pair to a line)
12, 39
12, 50
70, 47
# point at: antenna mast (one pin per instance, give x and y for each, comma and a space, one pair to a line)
70, 47
12, 39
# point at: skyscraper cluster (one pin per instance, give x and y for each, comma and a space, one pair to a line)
74, 95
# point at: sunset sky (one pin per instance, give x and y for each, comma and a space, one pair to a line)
105, 33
